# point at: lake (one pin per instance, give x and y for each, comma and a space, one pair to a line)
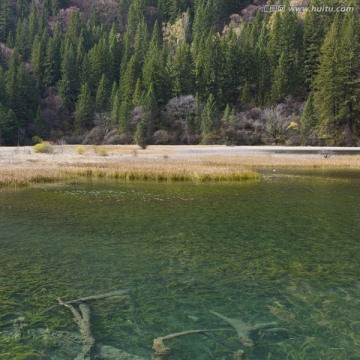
284, 249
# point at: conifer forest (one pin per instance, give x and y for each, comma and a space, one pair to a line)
179, 72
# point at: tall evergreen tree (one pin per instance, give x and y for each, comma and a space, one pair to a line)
69, 83
5, 19
328, 87
84, 113
182, 71
102, 95
209, 116
39, 123
52, 62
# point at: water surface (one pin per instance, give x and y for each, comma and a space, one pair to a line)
283, 249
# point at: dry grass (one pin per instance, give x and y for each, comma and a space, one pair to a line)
22, 166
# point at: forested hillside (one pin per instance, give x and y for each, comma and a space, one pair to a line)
178, 72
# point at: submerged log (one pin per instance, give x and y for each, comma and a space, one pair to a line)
243, 329
105, 352
82, 319
98, 297
161, 352
115, 293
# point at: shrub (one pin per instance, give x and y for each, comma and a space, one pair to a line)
80, 150
44, 148
162, 137
111, 138
255, 113
94, 137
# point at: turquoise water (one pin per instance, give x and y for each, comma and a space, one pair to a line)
283, 249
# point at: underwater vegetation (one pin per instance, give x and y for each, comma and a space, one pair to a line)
202, 266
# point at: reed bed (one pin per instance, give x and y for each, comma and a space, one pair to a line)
21, 166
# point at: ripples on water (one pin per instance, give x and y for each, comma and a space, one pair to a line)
284, 249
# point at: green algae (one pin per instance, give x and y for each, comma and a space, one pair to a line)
282, 250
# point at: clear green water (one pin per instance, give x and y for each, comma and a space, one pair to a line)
284, 249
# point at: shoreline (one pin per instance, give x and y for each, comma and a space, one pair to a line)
21, 166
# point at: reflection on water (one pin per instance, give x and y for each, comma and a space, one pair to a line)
284, 249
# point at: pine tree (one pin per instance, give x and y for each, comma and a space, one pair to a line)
69, 83
33, 23
55, 6
225, 120
26, 97
38, 56
115, 108
10, 42
207, 67
141, 44
39, 123
155, 70
280, 85
231, 67
138, 94
205, 19
182, 71
102, 95
349, 110
127, 87
75, 24
5, 19
308, 119
263, 78
2, 86
114, 54
140, 133
84, 108
313, 37
114, 90
246, 98
209, 116
52, 63
328, 80
22, 39
4, 125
